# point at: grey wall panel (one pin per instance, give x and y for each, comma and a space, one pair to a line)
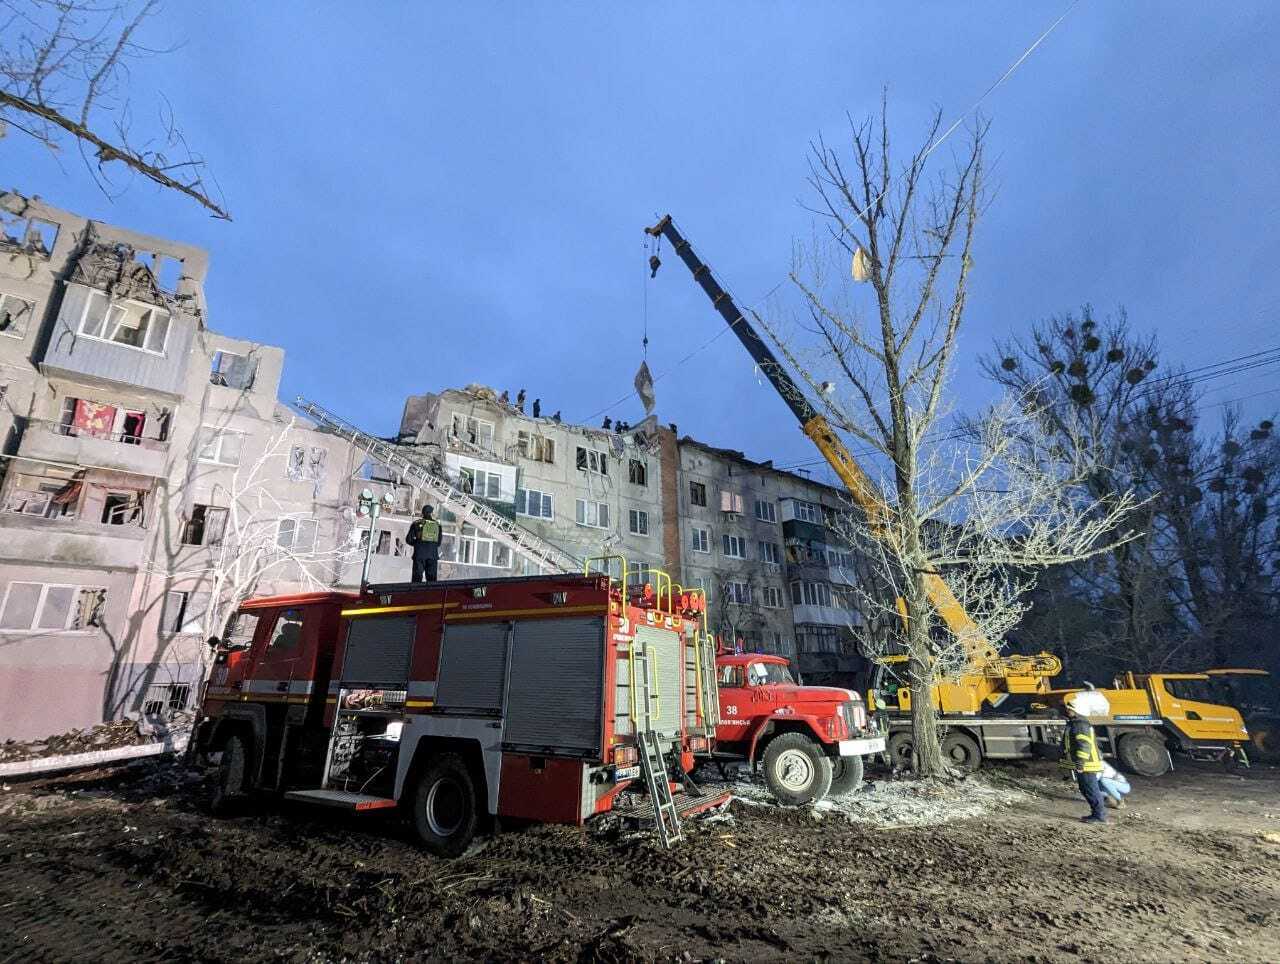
556, 696
378, 650
473, 658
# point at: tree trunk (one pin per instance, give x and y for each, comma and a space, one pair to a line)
927, 749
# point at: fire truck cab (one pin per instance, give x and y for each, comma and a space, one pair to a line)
526, 698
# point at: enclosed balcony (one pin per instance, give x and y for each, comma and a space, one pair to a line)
102, 448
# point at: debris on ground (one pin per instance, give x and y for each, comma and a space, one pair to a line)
1187, 878
104, 736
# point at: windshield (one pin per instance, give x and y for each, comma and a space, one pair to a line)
762, 673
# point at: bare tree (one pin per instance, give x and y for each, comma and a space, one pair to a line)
263, 541
944, 523
64, 69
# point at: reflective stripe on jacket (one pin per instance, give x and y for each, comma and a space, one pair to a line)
1080, 748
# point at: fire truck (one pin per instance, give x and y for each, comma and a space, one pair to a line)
809, 740
543, 698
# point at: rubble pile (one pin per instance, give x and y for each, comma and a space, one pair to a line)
104, 736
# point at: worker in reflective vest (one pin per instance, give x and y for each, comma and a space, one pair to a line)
1080, 755
424, 536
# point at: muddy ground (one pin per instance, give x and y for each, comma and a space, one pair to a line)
126, 864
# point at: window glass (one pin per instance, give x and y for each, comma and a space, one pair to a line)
288, 630
20, 605
56, 610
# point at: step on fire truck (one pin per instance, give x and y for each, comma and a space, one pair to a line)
543, 698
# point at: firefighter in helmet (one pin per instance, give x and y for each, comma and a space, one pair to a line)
424, 536
1080, 755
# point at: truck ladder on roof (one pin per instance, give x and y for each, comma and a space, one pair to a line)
543, 554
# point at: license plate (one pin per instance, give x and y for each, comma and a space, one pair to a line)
626, 773
873, 744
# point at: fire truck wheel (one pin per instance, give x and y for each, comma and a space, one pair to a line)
445, 810
233, 770
846, 775
796, 770
1144, 754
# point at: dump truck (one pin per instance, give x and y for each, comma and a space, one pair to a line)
808, 740
997, 708
552, 698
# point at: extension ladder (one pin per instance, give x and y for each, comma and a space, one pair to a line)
653, 765
546, 556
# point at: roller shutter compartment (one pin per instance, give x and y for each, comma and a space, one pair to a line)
665, 650
473, 659
378, 650
555, 701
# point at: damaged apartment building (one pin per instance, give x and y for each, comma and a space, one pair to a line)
127, 431
762, 543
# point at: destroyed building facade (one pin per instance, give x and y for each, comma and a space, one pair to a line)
126, 425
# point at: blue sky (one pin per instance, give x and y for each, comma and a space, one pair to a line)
430, 195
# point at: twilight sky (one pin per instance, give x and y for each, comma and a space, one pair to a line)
434, 194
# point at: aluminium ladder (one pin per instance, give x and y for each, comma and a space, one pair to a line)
653, 765
524, 543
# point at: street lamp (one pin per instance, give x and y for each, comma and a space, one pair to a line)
371, 506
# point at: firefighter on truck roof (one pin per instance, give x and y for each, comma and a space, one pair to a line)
424, 536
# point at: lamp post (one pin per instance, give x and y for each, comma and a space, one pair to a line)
372, 507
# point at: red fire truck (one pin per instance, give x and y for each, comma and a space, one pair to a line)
538, 698
809, 740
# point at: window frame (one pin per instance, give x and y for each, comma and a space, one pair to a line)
637, 472
638, 522
298, 525
218, 435
22, 321
698, 493
592, 461
739, 542
771, 597
705, 545
806, 511
465, 434
42, 600
581, 517
771, 515
770, 552
545, 500
123, 306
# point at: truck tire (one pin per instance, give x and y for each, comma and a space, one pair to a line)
446, 811
1264, 740
846, 775
1144, 754
796, 770
961, 751
233, 780
900, 748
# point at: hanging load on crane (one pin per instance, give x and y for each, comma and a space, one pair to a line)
974, 706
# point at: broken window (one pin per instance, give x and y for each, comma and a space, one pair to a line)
637, 472
589, 460
131, 323
15, 315
593, 514
40, 606
220, 446
701, 539
165, 699
697, 493
384, 543
306, 463
50, 495
474, 549
298, 535
206, 526
487, 485
184, 612
29, 235
738, 592
233, 371
638, 522
536, 447
534, 503
122, 509
473, 430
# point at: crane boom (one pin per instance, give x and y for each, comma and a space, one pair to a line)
982, 653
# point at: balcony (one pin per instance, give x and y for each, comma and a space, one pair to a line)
824, 616
70, 542
118, 452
